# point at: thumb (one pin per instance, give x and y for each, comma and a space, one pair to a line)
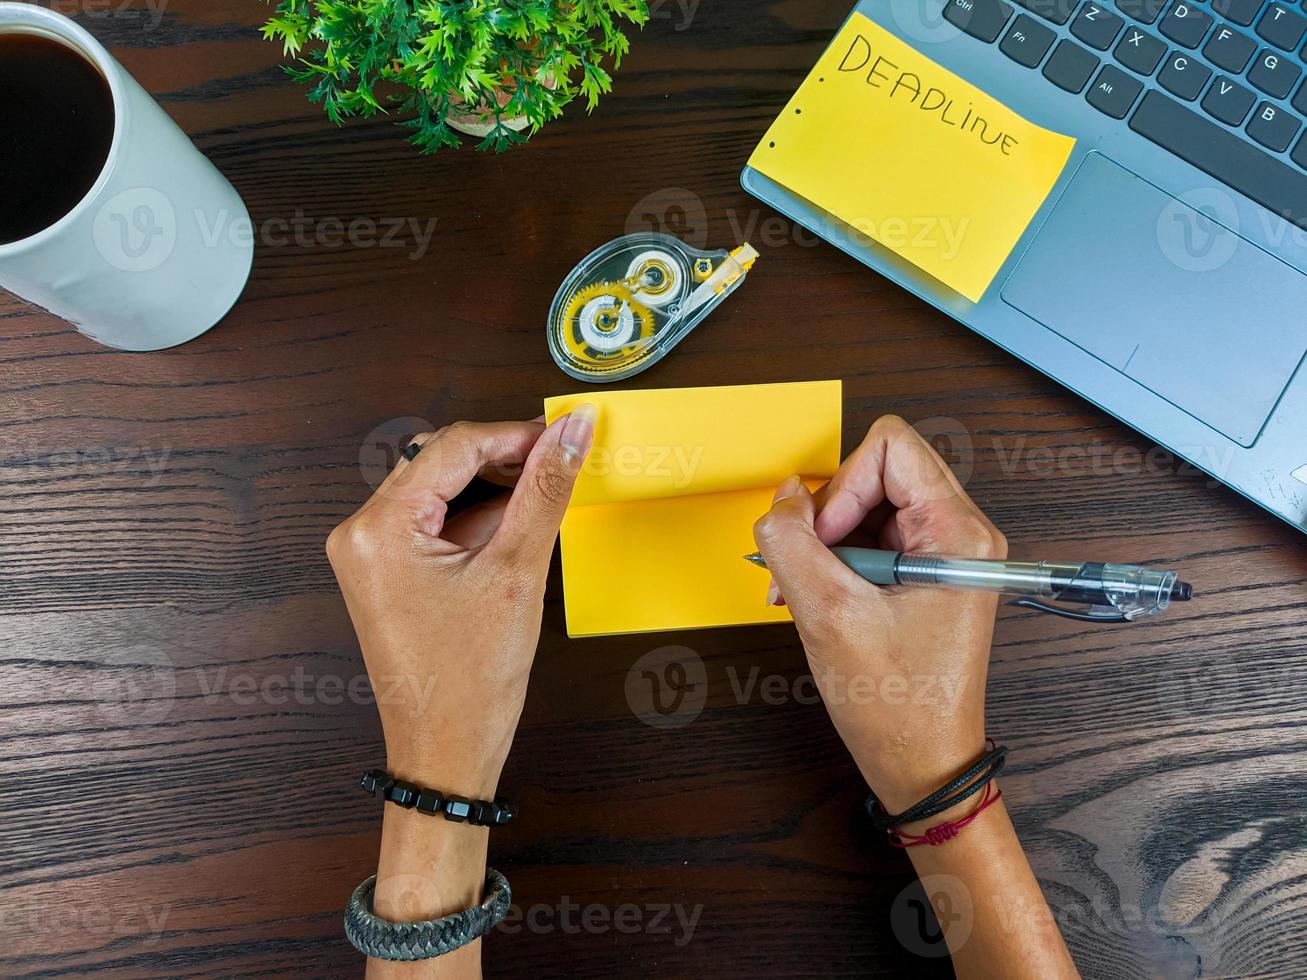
809, 576
535, 510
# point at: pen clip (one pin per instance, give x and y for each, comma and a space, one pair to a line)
1080, 617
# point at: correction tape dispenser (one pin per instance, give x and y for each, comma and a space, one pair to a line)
626, 306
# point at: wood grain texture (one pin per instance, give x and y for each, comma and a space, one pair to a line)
184, 710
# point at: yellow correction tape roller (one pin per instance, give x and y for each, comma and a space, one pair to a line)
630, 302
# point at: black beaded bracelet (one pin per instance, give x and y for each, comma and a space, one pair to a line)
479, 813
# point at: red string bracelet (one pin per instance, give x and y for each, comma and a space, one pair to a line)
946, 831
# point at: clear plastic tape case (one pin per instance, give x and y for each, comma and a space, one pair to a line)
631, 301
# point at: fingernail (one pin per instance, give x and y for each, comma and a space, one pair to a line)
789, 488
773, 593
579, 431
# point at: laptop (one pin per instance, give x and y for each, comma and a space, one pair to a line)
1164, 278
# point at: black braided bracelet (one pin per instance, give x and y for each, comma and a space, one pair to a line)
408, 941
947, 796
479, 813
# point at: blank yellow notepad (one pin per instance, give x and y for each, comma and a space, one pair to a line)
663, 512
912, 156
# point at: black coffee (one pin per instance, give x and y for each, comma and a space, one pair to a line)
56, 126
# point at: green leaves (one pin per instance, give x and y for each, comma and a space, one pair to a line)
497, 59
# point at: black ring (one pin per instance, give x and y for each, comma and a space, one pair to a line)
411, 451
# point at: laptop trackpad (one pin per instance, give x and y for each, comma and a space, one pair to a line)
1168, 296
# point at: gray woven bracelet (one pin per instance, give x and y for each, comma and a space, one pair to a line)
384, 940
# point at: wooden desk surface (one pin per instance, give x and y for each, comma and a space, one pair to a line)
184, 712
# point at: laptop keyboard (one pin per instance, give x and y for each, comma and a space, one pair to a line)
1218, 84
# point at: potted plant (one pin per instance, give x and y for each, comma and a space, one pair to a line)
498, 69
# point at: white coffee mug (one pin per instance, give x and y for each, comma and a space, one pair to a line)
161, 246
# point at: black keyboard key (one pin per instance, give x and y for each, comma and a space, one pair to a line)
1274, 74
1273, 127
1223, 155
1185, 24
1228, 101
1300, 100
1139, 51
1114, 92
1241, 12
1183, 75
1058, 11
1027, 41
1070, 66
1282, 27
1229, 49
1145, 11
979, 18
1096, 26
1299, 154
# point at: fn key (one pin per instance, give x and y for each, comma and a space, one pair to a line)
979, 18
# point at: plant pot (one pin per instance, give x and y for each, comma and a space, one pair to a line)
479, 121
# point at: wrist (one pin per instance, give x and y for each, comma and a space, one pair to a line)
902, 782
471, 777
428, 867
464, 755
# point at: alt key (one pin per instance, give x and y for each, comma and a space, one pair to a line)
1113, 92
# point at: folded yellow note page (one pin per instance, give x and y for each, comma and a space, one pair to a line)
664, 509
908, 154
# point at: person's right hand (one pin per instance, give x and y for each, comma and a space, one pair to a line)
902, 671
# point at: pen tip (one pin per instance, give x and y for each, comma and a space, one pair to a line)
756, 559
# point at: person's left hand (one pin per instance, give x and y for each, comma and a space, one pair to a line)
448, 611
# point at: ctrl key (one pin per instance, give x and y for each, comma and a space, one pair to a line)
982, 19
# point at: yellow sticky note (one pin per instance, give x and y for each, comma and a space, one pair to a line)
664, 509
912, 156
